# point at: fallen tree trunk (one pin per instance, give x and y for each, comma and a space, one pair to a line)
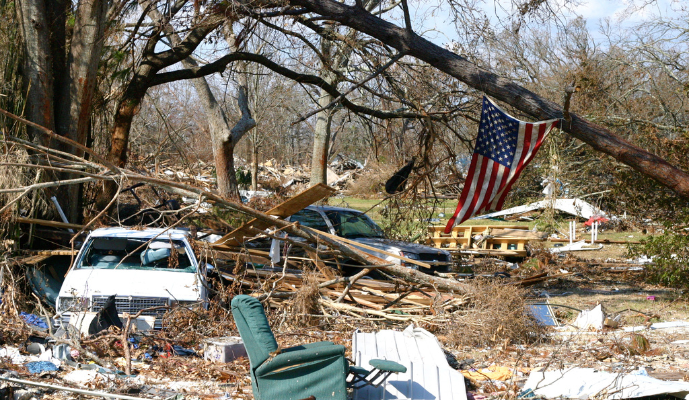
409, 43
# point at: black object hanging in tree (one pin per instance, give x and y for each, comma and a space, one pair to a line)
398, 182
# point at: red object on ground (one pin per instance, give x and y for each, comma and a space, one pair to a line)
596, 218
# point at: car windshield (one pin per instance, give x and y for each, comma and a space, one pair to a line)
136, 253
351, 224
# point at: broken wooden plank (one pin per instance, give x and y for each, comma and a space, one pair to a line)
392, 299
43, 222
302, 200
365, 246
33, 260
53, 252
517, 234
282, 210
358, 299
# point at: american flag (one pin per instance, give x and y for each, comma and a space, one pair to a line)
504, 147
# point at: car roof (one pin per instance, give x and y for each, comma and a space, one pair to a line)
331, 208
148, 233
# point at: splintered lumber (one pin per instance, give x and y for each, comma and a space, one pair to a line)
52, 224
406, 297
375, 294
29, 260
500, 240
282, 210
359, 312
358, 298
248, 256
377, 250
516, 233
53, 252
33, 260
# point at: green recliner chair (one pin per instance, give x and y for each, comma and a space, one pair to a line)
315, 369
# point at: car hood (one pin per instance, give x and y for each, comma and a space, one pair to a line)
87, 282
393, 246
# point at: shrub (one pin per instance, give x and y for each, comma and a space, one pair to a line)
670, 252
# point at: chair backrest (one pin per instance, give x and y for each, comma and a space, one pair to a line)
254, 329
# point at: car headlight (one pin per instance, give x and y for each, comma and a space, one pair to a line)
411, 256
72, 304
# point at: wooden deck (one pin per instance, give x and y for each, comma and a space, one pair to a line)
428, 376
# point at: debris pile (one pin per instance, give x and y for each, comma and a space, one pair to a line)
500, 332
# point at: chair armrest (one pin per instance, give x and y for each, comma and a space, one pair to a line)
307, 346
388, 366
294, 358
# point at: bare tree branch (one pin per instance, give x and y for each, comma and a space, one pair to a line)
353, 88
502, 89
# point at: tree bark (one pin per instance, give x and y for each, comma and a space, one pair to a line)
218, 122
223, 156
254, 165
324, 118
321, 141
119, 140
223, 138
75, 93
246, 121
502, 89
37, 68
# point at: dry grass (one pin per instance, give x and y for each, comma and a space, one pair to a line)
496, 314
305, 304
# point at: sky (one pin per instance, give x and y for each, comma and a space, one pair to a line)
434, 21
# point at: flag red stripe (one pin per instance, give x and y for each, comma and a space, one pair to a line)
465, 192
490, 190
523, 144
478, 194
468, 209
496, 192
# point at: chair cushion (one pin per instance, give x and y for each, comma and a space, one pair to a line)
387, 365
360, 371
254, 329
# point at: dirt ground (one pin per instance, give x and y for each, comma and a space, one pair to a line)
621, 291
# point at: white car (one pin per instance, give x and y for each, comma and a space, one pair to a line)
142, 268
